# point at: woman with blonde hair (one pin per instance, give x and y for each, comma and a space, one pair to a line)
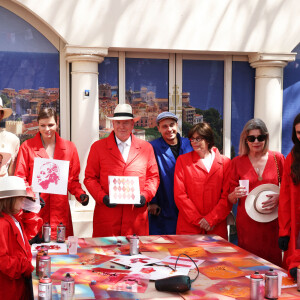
257, 164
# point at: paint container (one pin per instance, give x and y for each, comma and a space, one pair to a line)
46, 233
298, 279
257, 286
68, 288
45, 266
134, 244
43, 250
45, 288
61, 233
271, 285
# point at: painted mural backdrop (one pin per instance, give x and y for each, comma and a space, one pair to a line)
29, 74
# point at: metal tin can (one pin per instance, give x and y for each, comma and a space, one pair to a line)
68, 288
45, 288
134, 244
45, 266
256, 286
298, 278
43, 250
61, 233
46, 233
271, 285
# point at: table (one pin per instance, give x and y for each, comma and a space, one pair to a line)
222, 274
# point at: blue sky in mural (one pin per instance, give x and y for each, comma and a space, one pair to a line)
291, 100
19, 36
204, 80
29, 70
27, 59
150, 73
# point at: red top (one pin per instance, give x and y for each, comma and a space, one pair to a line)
258, 238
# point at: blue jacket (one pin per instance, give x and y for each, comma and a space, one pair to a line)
166, 222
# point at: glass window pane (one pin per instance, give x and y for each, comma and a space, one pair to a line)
29, 74
242, 103
291, 100
147, 92
108, 92
202, 96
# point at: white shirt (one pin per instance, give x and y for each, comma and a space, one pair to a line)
208, 160
124, 147
19, 227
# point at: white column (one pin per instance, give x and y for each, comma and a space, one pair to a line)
84, 120
84, 108
269, 92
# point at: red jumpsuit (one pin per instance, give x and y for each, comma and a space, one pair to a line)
199, 194
289, 215
105, 159
57, 207
15, 260
258, 238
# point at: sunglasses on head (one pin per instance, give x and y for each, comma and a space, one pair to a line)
260, 138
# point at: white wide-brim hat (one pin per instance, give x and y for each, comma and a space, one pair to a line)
123, 112
254, 200
13, 186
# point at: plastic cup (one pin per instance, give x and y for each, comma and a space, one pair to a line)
72, 244
245, 183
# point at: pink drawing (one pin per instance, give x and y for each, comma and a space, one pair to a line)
49, 173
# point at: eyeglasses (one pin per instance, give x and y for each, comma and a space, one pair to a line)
259, 138
196, 140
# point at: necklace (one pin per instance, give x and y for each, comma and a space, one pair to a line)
258, 174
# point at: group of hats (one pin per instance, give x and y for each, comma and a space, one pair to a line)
124, 112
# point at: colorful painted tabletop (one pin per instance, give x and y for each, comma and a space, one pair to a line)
103, 268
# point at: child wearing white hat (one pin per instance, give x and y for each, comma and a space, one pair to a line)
15, 251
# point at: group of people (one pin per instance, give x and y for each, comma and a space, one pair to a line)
186, 187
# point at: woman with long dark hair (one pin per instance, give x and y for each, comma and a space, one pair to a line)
289, 205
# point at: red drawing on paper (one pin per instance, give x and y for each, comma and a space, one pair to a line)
48, 173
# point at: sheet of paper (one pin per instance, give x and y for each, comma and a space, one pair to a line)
50, 176
124, 189
157, 272
136, 283
183, 262
134, 260
52, 247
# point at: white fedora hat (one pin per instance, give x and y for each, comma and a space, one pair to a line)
13, 186
7, 111
123, 112
254, 202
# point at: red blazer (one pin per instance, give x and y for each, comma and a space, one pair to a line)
199, 194
57, 207
289, 215
15, 260
105, 159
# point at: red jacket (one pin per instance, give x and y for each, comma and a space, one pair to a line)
289, 215
199, 194
15, 260
105, 159
57, 207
